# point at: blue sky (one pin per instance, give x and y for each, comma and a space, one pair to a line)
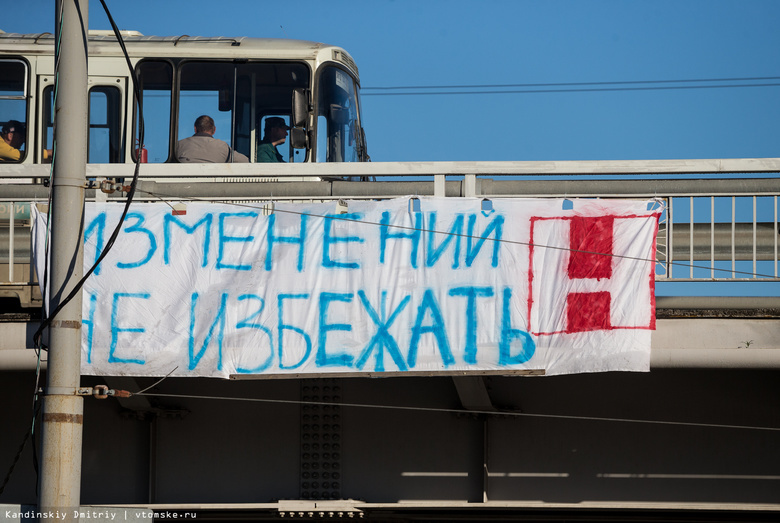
518, 42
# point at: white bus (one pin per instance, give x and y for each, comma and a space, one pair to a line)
239, 82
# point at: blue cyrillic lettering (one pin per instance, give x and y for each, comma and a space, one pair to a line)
283, 327
382, 338
97, 224
497, 225
224, 238
414, 236
272, 239
328, 240
508, 334
471, 294
218, 325
115, 329
205, 221
437, 328
340, 359
89, 323
149, 234
454, 235
248, 323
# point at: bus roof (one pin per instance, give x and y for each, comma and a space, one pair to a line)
104, 43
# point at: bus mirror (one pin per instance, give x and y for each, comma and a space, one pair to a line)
301, 107
299, 138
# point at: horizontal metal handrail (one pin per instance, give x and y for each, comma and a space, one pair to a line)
413, 169
487, 188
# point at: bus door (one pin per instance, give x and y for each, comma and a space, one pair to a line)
45, 117
106, 134
107, 130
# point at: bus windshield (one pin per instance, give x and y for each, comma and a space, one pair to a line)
339, 135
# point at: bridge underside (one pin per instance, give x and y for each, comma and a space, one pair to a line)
633, 445
695, 438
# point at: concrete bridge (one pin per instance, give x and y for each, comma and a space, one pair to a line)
695, 438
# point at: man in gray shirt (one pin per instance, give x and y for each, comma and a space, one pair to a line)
203, 147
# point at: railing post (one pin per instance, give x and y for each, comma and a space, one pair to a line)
440, 185
470, 185
11, 228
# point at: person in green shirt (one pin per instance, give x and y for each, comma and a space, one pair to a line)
275, 134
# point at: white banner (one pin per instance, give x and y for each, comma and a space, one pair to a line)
398, 286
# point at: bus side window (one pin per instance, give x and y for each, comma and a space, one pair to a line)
156, 79
104, 129
13, 95
207, 88
48, 118
237, 96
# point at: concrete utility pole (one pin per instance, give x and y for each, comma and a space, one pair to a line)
60, 487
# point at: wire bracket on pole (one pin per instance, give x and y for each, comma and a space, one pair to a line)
107, 186
102, 392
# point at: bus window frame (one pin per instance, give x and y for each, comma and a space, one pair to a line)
25, 99
180, 127
46, 86
316, 91
105, 83
175, 127
46, 109
172, 111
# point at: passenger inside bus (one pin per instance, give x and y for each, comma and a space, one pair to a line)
13, 134
202, 147
275, 134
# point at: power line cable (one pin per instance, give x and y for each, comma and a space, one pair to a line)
576, 90
18, 455
36, 400
461, 411
572, 84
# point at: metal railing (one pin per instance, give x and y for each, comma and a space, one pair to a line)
16, 272
720, 238
716, 226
